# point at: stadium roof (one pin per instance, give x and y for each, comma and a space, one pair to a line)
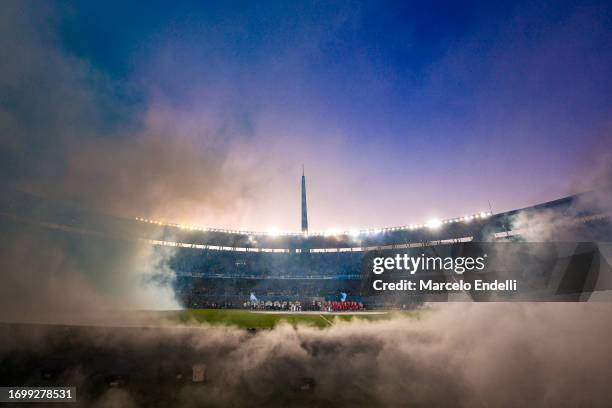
27, 208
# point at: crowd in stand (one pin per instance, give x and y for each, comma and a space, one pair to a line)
265, 265
336, 306
273, 305
297, 306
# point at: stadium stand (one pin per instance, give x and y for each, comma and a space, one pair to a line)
222, 268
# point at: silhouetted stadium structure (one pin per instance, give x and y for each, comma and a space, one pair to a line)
224, 268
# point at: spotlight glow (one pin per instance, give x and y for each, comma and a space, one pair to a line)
331, 232
434, 223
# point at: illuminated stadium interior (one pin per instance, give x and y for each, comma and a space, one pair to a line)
305, 204
222, 268
484, 226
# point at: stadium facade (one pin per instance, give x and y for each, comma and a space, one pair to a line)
225, 268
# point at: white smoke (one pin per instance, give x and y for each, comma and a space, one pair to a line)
456, 354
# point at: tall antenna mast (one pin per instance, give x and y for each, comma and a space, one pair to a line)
304, 208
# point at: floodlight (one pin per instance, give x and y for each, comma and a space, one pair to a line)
434, 223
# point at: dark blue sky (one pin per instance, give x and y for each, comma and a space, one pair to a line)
401, 111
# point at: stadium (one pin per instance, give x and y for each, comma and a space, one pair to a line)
228, 281
305, 204
305, 271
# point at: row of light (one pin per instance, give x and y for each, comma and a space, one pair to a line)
431, 224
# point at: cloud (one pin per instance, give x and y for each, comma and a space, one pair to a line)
456, 354
56, 277
556, 225
71, 132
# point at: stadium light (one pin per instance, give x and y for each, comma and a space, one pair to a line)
354, 233
434, 223
331, 232
273, 232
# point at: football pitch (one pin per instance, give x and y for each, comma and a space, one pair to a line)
269, 319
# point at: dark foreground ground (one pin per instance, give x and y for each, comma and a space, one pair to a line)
122, 366
467, 355
154, 365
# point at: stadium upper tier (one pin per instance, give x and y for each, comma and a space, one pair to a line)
27, 208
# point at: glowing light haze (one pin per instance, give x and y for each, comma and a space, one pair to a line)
203, 112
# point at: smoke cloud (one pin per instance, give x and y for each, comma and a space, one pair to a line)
555, 225
456, 354
55, 277
69, 132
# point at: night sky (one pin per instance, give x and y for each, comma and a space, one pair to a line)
400, 112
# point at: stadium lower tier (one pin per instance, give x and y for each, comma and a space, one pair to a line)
210, 263
195, 292
278, 294
229, 279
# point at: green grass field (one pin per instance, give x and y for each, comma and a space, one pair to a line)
249, 319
